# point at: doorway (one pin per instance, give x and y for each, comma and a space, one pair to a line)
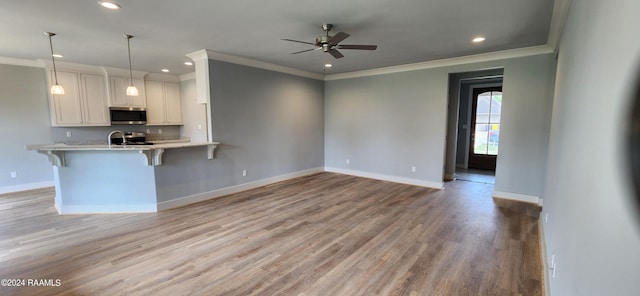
459, 126
485, 128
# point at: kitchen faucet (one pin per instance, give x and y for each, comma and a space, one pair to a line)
111, 134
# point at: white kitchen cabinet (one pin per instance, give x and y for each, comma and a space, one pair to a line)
118, 93
163, 103
84, 102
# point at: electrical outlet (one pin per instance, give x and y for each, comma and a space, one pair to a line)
14, 175
68, 134
199, 126
159, 131
348, 161
244, 173
413, 169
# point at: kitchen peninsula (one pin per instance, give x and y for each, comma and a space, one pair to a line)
122, 179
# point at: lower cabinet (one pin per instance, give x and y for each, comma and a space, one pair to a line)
163, 103
84, 102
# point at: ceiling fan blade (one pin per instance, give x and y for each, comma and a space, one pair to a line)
298, 41
297, 52
335, 53
338, 37
362, 47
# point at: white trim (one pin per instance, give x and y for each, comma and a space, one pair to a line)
57, 206
558, 19
543, 254
25, 187
119, 72
395, 179
106, 209
218, 56
484, 57
518, 197
183, 201
188, 76
162, 77
20, 62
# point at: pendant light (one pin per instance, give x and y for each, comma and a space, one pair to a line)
131, 90
56, 89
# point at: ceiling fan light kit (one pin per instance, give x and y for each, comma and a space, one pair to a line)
330, 44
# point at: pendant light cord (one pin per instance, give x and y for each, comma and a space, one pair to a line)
129, 51
53, 59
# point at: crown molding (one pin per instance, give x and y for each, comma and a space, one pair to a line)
558, 20
21, 62
199, 55
162, 77
484, 57
223, 57
188, 76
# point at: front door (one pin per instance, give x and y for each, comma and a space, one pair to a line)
485, 127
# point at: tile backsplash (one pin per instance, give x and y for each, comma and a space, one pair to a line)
98, 134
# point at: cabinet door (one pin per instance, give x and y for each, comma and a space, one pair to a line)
67, 109
138, 101
155, 102
118, 92
95, 100
172, 103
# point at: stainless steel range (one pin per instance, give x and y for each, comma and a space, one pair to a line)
130, 138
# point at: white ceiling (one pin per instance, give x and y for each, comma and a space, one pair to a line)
406, 31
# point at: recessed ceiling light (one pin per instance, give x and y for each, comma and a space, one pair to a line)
328, 65
165, 70
478, 39
109, 4
55, 55
188, 63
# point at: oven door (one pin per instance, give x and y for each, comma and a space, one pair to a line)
124, 115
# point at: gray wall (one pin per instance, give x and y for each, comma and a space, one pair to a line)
269, 123
387, 123
592, 228
24, 119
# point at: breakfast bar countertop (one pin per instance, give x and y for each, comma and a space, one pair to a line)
113, 147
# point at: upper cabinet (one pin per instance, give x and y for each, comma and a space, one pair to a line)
91, 90
84, 102
163, 103
118, 83
118, 93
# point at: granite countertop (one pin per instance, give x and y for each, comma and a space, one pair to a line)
169, 144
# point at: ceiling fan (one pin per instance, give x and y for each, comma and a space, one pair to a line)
330, 44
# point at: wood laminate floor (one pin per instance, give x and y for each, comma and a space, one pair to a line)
324, 234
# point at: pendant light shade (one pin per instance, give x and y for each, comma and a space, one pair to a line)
131, 90
56, 89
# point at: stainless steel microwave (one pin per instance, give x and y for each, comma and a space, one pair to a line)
128, 115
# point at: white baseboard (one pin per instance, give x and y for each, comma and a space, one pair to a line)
518, 197
396, 179
25, 187
183, 201
543, 254
106, 209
